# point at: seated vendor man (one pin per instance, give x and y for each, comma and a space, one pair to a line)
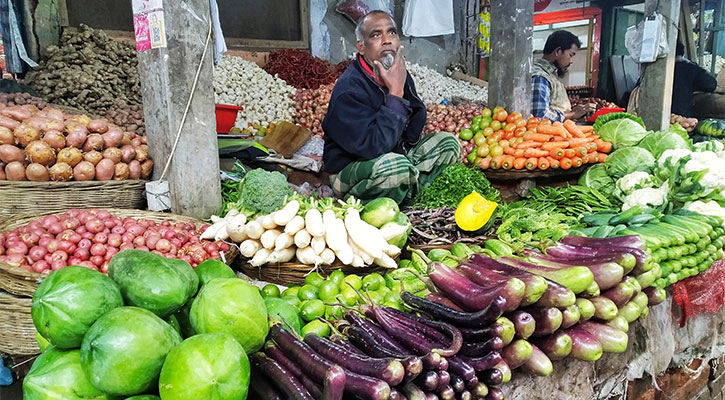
374, 122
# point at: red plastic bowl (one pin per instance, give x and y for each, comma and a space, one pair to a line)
604, 110
226, 115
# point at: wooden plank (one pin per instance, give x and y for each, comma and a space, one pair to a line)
47, 24
687, 36
655, 100
458, 75
286, 138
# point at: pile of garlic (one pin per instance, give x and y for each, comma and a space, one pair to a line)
433, 87
263, 97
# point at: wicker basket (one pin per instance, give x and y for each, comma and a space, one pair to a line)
26, 197
17, 332
22, 282
294, 274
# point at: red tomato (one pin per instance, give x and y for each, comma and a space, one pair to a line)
501, 115
511, 118
509, 127
518, 132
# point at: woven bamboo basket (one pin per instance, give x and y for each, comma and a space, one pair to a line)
294, 274
22, 282
17, 332
26, 197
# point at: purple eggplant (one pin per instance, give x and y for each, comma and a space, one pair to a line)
377, 332
458, 366
604, 308
495, 394
556, 346
440, 299
465, 395
477, 319
431, 396
412, 392
389, 370
586, 308
478, 335
574, 252
612, 340
524, 324
584, 346
444, 378
412, 338
548, 320
344, 342
442, 333
334, 383
483, 363
396, 395
276, 354
538, 364
631, 241
412, 364
317, 366
619, 323
460, 289
492, 377
556, 295
570, 316
625, 260
446, 393
576, 278
260, 386
634, 283
427, 381
480, 349
457, 383
512, 289
517, 353
493, 270
620, 294
442, 365
508, 330
505, 369
606, 274
480, 390
286, 382
655, 295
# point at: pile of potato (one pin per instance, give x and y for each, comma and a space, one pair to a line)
129, 118
48, 144
11, 99
89, 71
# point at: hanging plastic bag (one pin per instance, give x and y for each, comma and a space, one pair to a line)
424, 18
356, 9
638, 36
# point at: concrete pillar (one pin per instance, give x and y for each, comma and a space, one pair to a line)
167, 76
655, 100
512, 29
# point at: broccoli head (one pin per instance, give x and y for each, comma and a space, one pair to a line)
263, 191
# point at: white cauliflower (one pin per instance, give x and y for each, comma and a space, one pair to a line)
707, 208
647, 197
714, 178
674, 155
631, 181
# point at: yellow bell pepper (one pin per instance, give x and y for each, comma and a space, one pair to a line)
474, 211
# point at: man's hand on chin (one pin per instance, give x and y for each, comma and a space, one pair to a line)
393, 78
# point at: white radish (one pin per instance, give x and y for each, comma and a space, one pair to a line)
260, 258
386, 262
249, 248
233, 213
215, 219
302, 238
284, 216
328, 256
267, 221
318, 244
313, 223
367, 260
392, 251
284, 241
269, 237
211, 232
295, 225
357, 261
254, 229
236, 228
281, 256
392, 230
345, 255
335, 234
307, 256
369, 240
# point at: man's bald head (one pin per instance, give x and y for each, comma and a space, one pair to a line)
360, 27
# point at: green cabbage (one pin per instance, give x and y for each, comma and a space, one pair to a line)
596, 177
657, 142
629, 159
622, 133
603, 119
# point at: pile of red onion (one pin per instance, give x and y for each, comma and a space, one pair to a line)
91, 237
311, 106
449, 118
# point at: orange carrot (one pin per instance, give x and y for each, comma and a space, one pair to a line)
528, 144
554, 145
606, 147
507, 162
535, 153
484, 163
548, 130
562, 130
591, 146
576, 162
538, 137
576, 142
553, 162
593, 157
509, 150
571, 127
565, 163
543, 163
602, 157
519, 153
519, 163
496, 162
556, 153
532, 163
569, 153
586, 128
581, 151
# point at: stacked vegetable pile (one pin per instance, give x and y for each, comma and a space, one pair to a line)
311, 106
263, 97
88, 71
20, 99
711, 128
498, 139
129, 118
302, 70
90, 238
433, 87
121, 335
48, 144
450, 118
